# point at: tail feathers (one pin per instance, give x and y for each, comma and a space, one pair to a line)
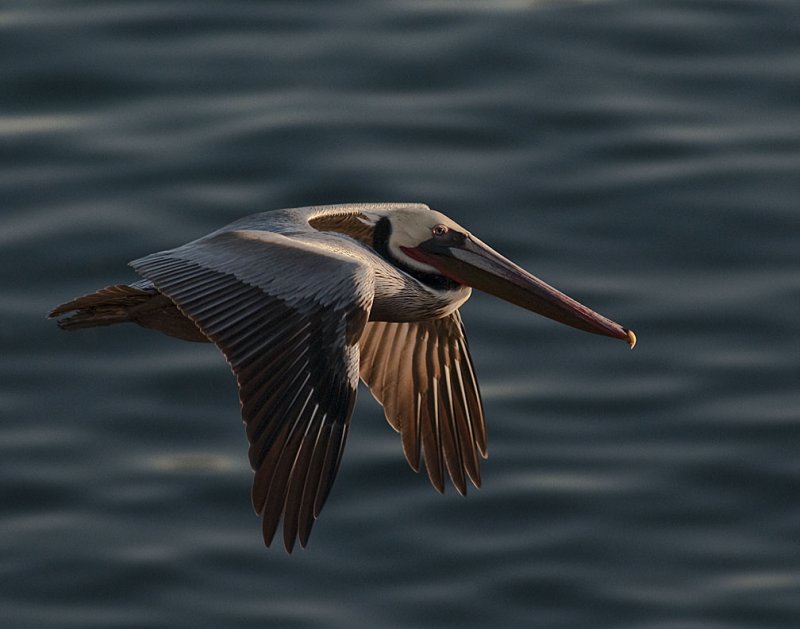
107, 306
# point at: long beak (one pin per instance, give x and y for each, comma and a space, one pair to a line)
469, 261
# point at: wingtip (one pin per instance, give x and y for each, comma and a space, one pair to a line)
288, 545
475, 477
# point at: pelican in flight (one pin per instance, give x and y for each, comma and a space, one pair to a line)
302, 303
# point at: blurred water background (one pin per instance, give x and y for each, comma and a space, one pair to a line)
643, 156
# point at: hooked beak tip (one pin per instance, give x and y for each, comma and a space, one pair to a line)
631, 338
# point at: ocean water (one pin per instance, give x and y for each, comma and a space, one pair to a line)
642, 156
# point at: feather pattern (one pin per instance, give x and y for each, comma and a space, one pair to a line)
294, 353
422, 374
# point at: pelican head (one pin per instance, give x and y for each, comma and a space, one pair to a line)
426, 241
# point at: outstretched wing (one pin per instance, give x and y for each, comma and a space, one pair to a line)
287, 315
422, 374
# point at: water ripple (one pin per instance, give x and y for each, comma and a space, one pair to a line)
641, 156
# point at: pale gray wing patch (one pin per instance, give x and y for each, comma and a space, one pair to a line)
295, 360
422, 374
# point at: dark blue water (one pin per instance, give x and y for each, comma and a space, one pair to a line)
641, 156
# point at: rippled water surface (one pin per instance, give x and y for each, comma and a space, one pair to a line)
641, 156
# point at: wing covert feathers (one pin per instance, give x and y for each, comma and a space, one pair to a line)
422, 374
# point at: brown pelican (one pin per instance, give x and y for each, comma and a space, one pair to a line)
303, 302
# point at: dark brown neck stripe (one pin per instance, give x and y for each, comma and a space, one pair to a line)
380, 242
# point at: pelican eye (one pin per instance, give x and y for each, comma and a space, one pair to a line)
440, 230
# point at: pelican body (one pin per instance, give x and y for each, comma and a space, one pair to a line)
302, 303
